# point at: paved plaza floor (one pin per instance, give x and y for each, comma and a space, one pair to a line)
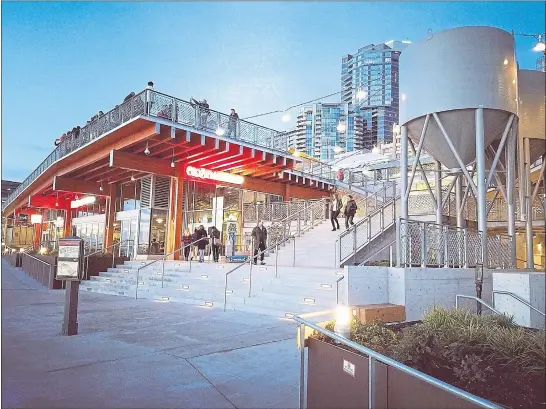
140, 354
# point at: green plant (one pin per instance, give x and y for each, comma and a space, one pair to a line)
373, 335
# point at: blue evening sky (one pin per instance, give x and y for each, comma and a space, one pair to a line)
63, 62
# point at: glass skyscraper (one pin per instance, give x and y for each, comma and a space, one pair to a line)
370, 81
318, 132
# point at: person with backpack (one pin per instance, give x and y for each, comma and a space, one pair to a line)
201, 235
215, 243
350, 211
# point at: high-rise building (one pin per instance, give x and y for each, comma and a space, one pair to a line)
370, 81
541, 64
324, 129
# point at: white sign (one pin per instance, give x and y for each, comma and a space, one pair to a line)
349, 368
201, 173
36, 218
69, 251
67, 269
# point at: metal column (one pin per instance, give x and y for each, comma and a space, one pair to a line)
526, 185
510, 193
404, 172
459, 200
438, 192
482, 189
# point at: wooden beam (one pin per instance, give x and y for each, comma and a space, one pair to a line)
140, 163
63, 184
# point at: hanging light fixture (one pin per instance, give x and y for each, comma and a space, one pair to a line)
540, 46
101, 188
147, 150
132, 177
172, 160
57, 201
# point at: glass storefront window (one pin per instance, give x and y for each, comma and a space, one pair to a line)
144, 232
158, 233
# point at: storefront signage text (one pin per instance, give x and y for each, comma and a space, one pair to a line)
200, 173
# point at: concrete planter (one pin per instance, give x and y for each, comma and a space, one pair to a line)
330, 386
44, 271
101, 263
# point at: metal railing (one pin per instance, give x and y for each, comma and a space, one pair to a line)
374, 357
518, 298
479, 300
299, 222
254, 257
429, 244
254, 212
366, 230
102, 251
155, 104
162, 259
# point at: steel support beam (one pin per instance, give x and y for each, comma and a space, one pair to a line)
404, 172
482, 189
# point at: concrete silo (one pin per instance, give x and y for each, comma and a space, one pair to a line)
459, 95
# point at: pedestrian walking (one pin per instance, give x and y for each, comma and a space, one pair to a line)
232, 125
216, 242
202, 243
186, 242
336, 204
259, 239
350, 211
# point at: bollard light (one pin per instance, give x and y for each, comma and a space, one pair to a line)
343, 321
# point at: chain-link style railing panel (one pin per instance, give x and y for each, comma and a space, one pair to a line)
499, 254
434, 245
420, 204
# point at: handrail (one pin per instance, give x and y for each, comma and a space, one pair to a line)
102, 250
517, 297
353, 229
35, 258
249, 260
471, 297
525, 261
337, 288
375, 356
163, 264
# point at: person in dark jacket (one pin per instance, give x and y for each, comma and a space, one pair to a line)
187, 239
232, 124
215, 243
259, 239
201, 235
350, 211
336, 205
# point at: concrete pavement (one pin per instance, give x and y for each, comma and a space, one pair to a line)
140, 354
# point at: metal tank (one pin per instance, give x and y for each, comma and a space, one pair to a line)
452, 73
532, 110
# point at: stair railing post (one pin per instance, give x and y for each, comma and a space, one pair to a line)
423, 245
162, 271
354, 245
465, 248
276, 260
446, 248
294, 253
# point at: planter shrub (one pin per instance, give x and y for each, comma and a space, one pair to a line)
488, 356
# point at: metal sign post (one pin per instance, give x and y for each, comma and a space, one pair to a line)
69, 269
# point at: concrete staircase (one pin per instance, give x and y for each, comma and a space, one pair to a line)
295, 290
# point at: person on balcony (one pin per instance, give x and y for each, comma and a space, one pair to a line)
215, 243
259, 240
232, 125
203, 112
350, 211
128, 97
336, 204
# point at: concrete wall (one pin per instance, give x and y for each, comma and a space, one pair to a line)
529, 286
418, 289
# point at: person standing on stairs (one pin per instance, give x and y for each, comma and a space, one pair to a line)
259, 238
215, 243
336, 205
350, 211
187, 238
202, 244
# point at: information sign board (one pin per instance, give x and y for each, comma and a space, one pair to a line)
69, 261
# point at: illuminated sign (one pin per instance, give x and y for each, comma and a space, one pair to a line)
200, 173
82, 202
36, 218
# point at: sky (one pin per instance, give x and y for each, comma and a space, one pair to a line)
63, 62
